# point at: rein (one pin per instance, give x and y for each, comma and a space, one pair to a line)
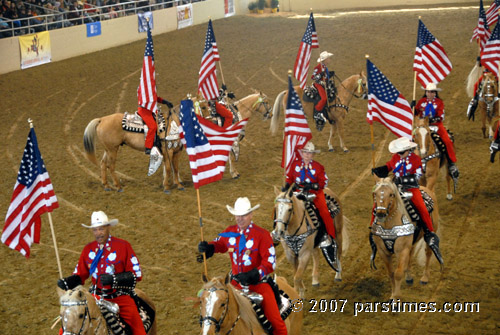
360, 84
214, 321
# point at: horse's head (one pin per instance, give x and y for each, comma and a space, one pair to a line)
362, 89
283, 206
385, 197
489, 89
75, 313
214, 303
422, 137
261, 105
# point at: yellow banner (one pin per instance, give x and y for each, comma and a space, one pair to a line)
35, 49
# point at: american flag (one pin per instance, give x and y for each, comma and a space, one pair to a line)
482, 31
207, 82
386, 105
208, 145
492, 12
33, 195
297, 132
490, 56
146, 92
431, 61
309, 42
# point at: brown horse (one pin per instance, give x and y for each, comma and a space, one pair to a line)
294, 226
108, 129
393, 233
224, 310
432, 159
354, 86
256, 102
80, 314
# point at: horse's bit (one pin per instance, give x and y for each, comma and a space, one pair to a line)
214, 321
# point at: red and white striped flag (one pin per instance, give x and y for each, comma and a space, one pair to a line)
309, 42
431, 62
490, 56
207, 145
386, 105
482, 31
297, 131
33, 195
146, 92
207, 82
492, 12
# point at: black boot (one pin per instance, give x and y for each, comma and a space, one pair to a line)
453, 170
147, 151
494, 147
374, 251
432, 241
319, 119
471, 109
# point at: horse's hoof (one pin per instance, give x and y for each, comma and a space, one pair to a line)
449, 197
423, 282
120, 190
338, 280
315, 285
331, 149
346, 150
167, 191
107, 189
181, 189
409, 281
236, 177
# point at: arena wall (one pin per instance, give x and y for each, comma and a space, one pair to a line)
73, 41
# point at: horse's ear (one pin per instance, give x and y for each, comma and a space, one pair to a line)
227, 280
204, 278
290, 190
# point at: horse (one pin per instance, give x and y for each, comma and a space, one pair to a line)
108, 129
354, 86
299, 237
432, 159
393, 233
256, 102
81, 315
487, 97
224, 310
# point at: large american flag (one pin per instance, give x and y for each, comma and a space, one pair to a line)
207, 82
492, 12
490, 56
482, 31
146, 92
431, 62
33, 195
309, 42
297, 131
208, 145
386, 105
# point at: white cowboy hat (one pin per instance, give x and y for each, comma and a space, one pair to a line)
431, 87
324, 55
309, 147
401, 144
100, 219
242, 207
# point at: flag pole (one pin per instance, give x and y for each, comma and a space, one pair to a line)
371, 135
201, 230
285, 142
415, 83
30, 121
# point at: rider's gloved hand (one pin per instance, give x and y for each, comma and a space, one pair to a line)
106, 279
381, 171
231, 95
251, 277
69, 283
207, 248
224, 87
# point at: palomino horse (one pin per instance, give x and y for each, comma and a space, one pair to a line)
224, 310
432, 159
80, 314
108, 129
393, 233
487, 97
299, 238
255, 102
354, 86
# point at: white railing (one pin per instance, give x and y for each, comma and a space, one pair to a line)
61, 19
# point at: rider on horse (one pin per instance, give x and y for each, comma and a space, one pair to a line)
471, 109
218, 106
407, 169
310, 176
253, 258
431, 106
321, 76
114, 268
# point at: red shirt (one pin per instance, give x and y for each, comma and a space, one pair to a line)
437, 106
118, 256
403, 167
319, 73
301, 174
257, 252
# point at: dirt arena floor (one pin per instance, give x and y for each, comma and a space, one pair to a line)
256, 52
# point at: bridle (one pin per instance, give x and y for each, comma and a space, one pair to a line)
490, 96
262, 100
427, 158
281, 213
213, 321
71, 304
382, 208
361, 83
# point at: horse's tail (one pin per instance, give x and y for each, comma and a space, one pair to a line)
472, 79
276, 111
89, 140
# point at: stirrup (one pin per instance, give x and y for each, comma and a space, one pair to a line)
471, 109
155, 160
432, 241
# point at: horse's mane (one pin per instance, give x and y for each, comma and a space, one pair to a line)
472, 79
